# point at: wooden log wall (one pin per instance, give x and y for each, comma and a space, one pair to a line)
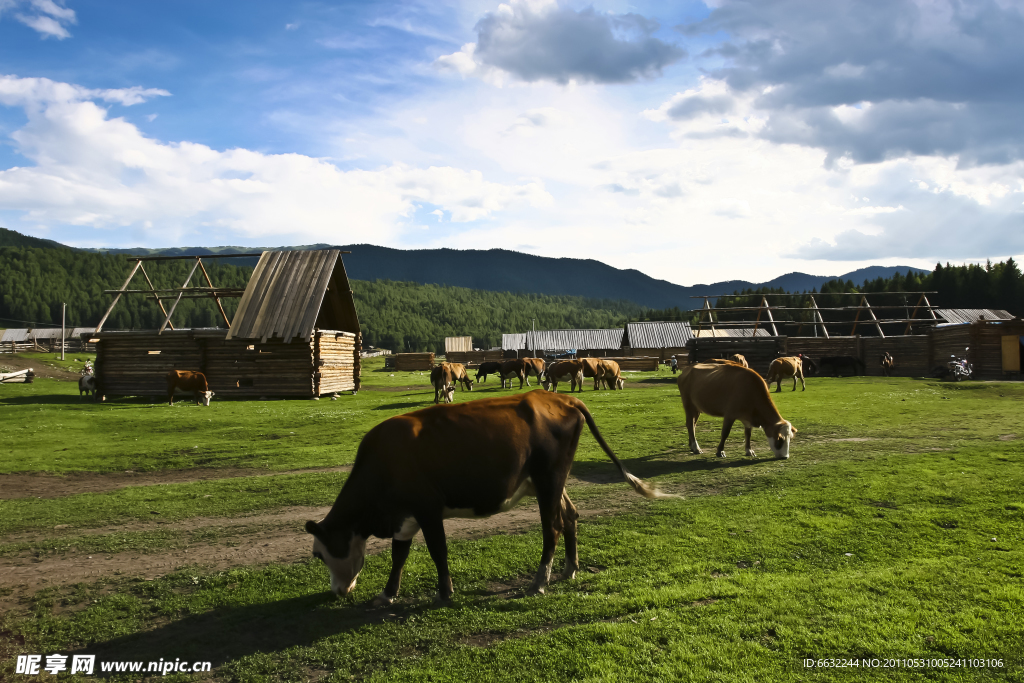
136, 364
336, 358
817, 347
948, 341
986, 354
474, 357
636, 363
910, 354
241, 367
759, 351
413, 361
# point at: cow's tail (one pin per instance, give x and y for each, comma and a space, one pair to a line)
638, 484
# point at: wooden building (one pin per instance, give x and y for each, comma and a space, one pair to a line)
295, 333
660, 340
993, 347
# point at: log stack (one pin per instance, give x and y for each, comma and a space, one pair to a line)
414, 361
636, 363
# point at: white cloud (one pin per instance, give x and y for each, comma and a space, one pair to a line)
95, 171
48, 18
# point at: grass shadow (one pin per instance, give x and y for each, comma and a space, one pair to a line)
398, 406
226, 633
657, 465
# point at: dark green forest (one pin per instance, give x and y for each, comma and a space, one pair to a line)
35, 281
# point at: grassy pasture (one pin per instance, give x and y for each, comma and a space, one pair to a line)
894, 531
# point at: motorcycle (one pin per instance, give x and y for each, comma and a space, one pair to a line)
959, 368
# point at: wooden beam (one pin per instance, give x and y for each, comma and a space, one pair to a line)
99, 326
824, 329
215, 297
153, 289
175, 305
857, 318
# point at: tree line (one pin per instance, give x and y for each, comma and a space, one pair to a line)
402, 316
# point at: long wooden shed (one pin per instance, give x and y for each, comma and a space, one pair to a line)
295, 333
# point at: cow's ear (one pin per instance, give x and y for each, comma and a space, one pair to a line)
313, 528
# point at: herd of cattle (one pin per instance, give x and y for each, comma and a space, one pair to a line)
445, 376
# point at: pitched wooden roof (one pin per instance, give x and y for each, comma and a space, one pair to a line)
291, 293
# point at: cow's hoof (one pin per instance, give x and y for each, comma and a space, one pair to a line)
443, 600
721, 454
535, 590
569, 573
782, 457
751, 454
382, 600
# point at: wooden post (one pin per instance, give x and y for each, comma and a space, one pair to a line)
824, 330
768, 309
857, 317
155, 295
63, 319
138, 264
215, 297
187, 280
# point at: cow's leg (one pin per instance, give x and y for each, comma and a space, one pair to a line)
794, 381
726, 428
550, 524
802, 382
692, 414
399, 554
746, 438
437, 544
521, 377
572, 557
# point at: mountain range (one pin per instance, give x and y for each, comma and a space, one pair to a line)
502, 270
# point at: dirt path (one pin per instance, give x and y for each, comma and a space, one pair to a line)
41, 485
39, 366
281, 540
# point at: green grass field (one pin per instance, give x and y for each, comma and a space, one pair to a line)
893, 533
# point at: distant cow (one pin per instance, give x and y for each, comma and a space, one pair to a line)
187, 380
739, 360
460, 376
611, 375
87, 386
733, 393
472, 459
562, 370
784, 368
488, 368
842, 366
887, 362
512, 368
592, 368
443, 382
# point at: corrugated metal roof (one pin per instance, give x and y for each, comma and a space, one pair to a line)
513, 342
731, 332
458, 344
15, 335
45, 333
562, 340
971, 315
79, 331
293, 292
657, 335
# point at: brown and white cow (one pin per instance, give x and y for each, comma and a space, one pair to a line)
512, 368
739, 359
562, 370
592, 368
733, 393
443, 382
459, 375
887, 362
534, 367
784, 368
611, 375
471, 459
187, 380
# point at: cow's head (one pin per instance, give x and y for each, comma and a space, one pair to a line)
205, 397
343, 552
545, 382
779, 435
469, 383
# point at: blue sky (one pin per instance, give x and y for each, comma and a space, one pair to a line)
692, 141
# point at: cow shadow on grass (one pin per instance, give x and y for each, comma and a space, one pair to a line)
227, 633
668, 462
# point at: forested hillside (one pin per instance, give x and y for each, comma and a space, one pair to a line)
34, 282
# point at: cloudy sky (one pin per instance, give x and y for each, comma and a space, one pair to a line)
694, 141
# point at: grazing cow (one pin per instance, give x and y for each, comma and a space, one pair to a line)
488, 368
592, 367
838, 365
459, 375
611, 375
512, 368
187, 380
738, 359
473, 459
784, 368
443, 382
732, 392
87, 386
560, 370
535, 367
887, 362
